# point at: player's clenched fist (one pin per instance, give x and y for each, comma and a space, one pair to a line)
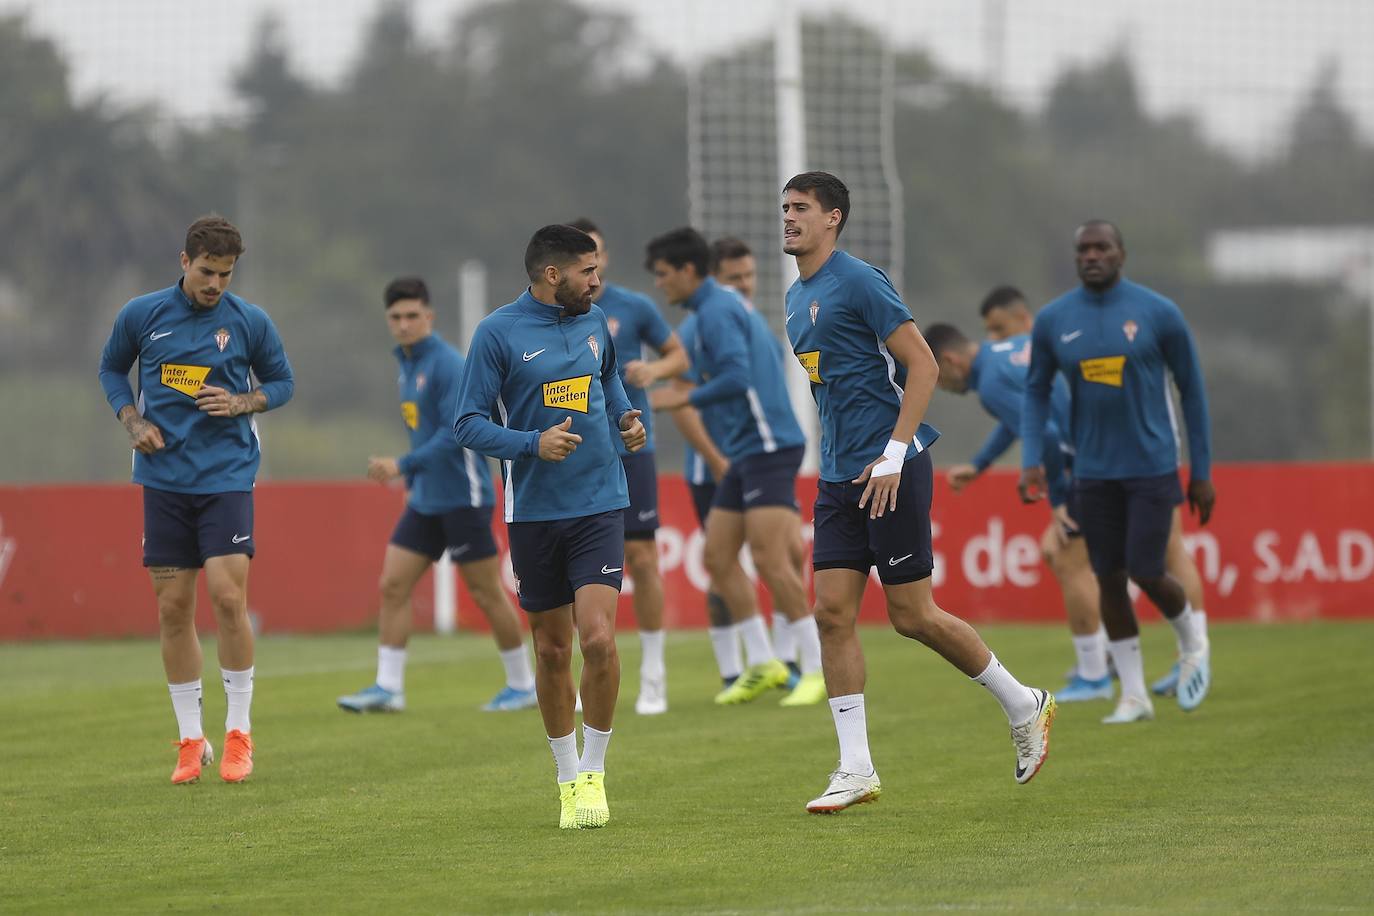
143, 435
632, 431
556, 443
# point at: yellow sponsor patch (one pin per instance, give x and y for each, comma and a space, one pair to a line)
1105, 370
811, 362
568, 393
186, 379
410, 413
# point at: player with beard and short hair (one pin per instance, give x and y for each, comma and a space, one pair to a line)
541, 391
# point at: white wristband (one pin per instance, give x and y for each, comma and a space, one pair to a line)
894, 456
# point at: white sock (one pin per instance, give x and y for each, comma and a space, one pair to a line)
1186, 628
651, 664
808, 640
1129, 667
784, 642
517, 664
238, 690
1018, 701
594, 743
1200, 621
186, 703
1091, 652
851, 727
391, 668
757, 650
565, 756
725, 643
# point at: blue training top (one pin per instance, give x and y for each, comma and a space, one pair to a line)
694, 467
743, 391
998, 375
634, 320
530, 366
179, 347
838, 321
1114, 349
440, 474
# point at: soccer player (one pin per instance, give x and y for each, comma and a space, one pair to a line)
1116, 342
196, 454
872, 376
448, 507
743, 395
634, 321
541, 391
996, 371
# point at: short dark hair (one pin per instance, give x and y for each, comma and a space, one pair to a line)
679, 247
828, 190
727, 248
1103, 224
405, 288
1000, 298
585, 225
944, 337
215, 236
558, 245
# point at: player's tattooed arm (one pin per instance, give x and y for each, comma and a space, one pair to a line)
220, 403
143, 435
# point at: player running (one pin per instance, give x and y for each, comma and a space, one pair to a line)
449, 504
1114, 341
744, 398
541, 391
872, 376
634, 321
196, 453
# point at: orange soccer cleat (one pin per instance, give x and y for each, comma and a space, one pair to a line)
193, 753
238, 757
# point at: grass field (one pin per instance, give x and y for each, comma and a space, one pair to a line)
1263, 800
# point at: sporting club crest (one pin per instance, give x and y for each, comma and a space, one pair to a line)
596, 348
420, 382
815, 307
222, 339
614, 325
1130, 328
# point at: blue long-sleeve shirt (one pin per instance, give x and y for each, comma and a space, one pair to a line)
694, 467
998, 375
529, 367
179, 347
634, 320
743, 391
1116, 349
994, 446
440, 473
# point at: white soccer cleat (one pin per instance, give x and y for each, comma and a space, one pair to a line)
1130, 709
653, 696
1194, 677
1032, 738
844, 791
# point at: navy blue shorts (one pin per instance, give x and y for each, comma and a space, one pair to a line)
703, 494
464, 532
183, 530
765, 479
641, 475
553, 559
898, 543
1126, 523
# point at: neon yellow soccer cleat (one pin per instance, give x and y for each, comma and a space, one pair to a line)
754, 683
591, 808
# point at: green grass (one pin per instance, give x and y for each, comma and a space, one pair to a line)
1261, 800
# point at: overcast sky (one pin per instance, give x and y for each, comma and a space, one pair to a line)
1241, 65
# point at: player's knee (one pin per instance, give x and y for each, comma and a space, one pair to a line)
914, 619
176, 613
393, 588
641, 560
773, 561
228, 599
552, 655
598, 649
719, 560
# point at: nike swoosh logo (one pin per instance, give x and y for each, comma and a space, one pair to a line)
895, 560
530, 356
460, 551
753, 495
791, 315
606, 570
240, 538
645, 516
156, 336
847, 708
1066, 338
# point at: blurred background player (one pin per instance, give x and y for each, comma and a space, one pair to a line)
1116, 343
635, 321
744, 396
534, 365
449, 503
872, 376
196, 454
996, 371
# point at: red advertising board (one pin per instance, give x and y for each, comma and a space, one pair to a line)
1287, 542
